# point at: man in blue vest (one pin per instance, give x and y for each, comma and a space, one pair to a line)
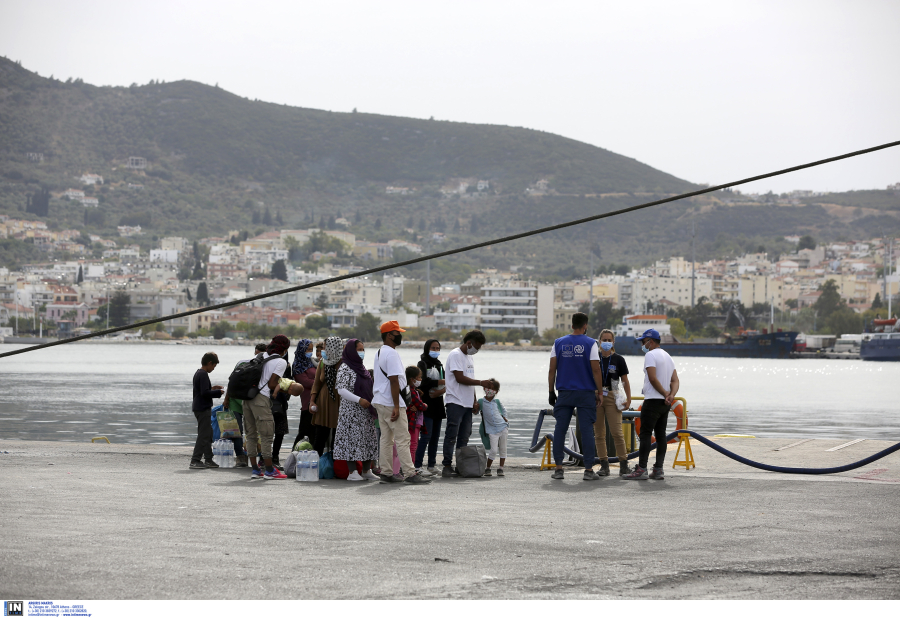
575, 372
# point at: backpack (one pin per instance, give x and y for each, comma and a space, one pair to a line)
243, 383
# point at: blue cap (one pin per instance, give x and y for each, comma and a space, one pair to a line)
649, 334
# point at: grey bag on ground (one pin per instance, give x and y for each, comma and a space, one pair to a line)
471, 460
290, 465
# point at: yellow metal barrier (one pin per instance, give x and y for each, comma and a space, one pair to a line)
547, 459
100, 438
688, 462
683, 438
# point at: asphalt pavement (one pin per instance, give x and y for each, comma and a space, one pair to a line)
99, 521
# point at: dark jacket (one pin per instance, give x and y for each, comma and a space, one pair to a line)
203, 392
435, 409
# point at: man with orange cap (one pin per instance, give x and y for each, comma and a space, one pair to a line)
390, 381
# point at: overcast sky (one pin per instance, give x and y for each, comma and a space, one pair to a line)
707, 91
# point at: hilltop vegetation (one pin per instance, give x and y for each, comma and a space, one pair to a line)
219, 162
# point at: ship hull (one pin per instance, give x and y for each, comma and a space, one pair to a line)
880, 350
772, 345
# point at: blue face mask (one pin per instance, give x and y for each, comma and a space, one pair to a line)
434, 354
606, 345
324, 355
308, 354
362, 354
644, 349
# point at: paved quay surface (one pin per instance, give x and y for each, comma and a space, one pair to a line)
122, 521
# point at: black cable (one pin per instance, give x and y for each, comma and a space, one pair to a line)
486, 243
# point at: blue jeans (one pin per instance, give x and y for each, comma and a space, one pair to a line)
433, 427
566, 404
459, 428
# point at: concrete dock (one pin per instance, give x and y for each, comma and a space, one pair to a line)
119, 521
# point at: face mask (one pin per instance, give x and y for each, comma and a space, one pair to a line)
362, 354
606, 345
472, 351
417, 383
324, 355
644, 349
434, 354
489, 392
398, 339
308, 354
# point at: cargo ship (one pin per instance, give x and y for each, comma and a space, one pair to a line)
745, 344
883, 344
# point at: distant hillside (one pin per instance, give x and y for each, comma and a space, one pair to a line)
218, 162
201, 129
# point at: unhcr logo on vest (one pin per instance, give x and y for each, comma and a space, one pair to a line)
579, 349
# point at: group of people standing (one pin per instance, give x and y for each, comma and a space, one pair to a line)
384, 422
589, 375
372, 420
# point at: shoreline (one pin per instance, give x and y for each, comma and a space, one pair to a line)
250, 342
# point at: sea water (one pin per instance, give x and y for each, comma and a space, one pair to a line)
141, 393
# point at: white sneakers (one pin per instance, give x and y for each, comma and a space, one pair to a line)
370, 476
354, 476
424, 472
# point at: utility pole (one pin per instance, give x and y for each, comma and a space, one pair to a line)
888, 285
772, 315
428, 287
591, 302
693, 234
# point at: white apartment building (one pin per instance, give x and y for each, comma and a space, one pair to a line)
752, 289
466, 317
522, 306
639, 294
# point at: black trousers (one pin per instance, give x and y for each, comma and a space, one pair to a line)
322, 437
654, 416
306, 427
203, 446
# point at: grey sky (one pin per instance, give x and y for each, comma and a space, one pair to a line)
708, 91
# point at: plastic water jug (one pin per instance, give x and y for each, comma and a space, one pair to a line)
307, 466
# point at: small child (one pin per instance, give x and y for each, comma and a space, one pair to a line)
289, 386
496, 425
204, 393
414, 411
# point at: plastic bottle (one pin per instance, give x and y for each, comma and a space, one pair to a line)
302, 462
313, 466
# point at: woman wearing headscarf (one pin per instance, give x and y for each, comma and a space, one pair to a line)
355, 439
433, 396
324, 400
304, 371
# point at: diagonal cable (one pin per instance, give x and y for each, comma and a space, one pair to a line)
432, 256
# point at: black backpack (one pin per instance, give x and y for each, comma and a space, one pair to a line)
243, 383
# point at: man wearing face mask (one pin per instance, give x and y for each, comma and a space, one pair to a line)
459, 400
390, 380
660, 387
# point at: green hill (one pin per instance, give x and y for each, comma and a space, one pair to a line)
219, 162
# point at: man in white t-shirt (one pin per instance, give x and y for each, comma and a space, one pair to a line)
258, 421
459, 398
390, 380
660, 387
